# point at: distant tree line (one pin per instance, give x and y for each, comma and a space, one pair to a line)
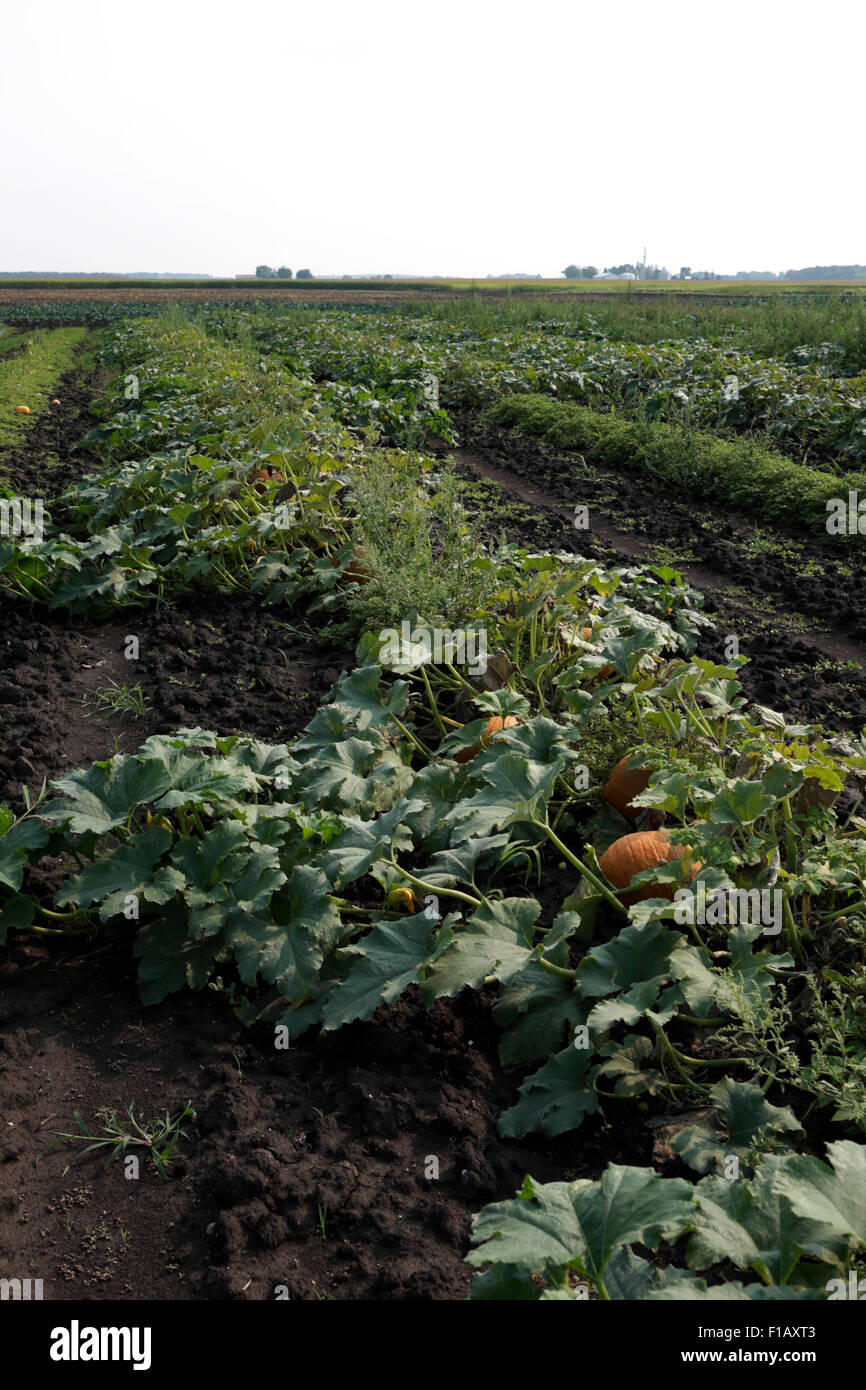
265, 272
642, 272
828, 272
654, 272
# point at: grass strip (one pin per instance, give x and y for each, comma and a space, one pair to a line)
739, 474
29, 376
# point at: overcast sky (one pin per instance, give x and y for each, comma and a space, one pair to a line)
460, 137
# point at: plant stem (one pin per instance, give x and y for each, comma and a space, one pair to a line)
582, 868
434, 708
436, 889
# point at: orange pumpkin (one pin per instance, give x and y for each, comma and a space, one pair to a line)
55, 402
605, 671
265, 477
22, 410
494, 726
631, 854
353, 570
623, 785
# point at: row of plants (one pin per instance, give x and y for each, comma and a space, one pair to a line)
404, 368
581, 824
31, 364
808, 405
740, 473
219, 472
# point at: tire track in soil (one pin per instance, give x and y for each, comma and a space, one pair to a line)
791, 655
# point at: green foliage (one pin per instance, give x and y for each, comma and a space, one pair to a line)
740, 474
266, 871
796, 1224
30, 369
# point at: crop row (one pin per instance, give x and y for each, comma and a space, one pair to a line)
738, 473
403, 839
807, 405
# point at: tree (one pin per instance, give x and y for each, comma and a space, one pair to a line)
685, 272
304, 275
580, 272
571, 272
284, 273
264, 272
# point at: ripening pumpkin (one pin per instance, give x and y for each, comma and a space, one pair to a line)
623, 785
631, 854
402, 900
55, 402
605, 671
263, 479
353, 570
22, 410
494, 726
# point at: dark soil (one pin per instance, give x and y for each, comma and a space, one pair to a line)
214, 663
313, 1168
793, 602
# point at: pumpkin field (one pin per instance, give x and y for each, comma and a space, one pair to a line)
432, 772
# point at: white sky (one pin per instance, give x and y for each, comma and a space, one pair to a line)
455, 137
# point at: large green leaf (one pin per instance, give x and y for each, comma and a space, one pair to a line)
16, 913
15, 846
497, 941
362, 698
555, 1226
392, 956
643, 1000
457, 864
337, 775
284, 942
516, 791
169, 959
556, 1098
745, 1113
362, 842
631, 1205
128, 870
537, 1232
636, 954
537, 1012
835, 1195
740, 803
754, 1225
103, 796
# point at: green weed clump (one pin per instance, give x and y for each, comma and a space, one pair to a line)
420, 550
